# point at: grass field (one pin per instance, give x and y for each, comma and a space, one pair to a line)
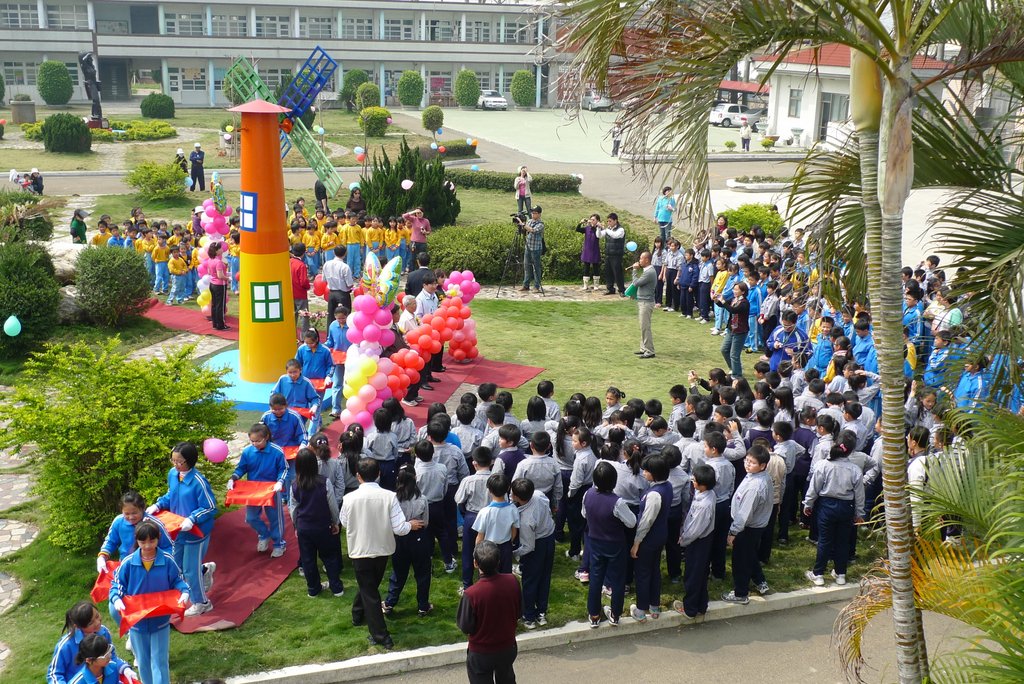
583, 347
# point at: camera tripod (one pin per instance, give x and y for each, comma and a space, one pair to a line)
513, 261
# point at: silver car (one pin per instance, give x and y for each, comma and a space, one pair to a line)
492, 99
596, 101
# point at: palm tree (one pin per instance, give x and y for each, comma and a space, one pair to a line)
675, 55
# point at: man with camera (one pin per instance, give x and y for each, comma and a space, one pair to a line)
534, 248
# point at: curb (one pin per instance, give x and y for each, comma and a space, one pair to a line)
235, 172
403, 662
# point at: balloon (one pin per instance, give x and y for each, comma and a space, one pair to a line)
365, 304
215, 176
469, 141
442, 149
459, 355
440, 131
228, 209
388, 282
353, 185
407, 184
12, 326
433, 145
367, 393
319, 130
474, 167
319, 286
382, 318
204, 298
475, 142
371, 269
360, 157
347, 417
227, 137
387, 337
379, 381
390, 120
207, 309
631, 246
355, 404
365, 419
188, 183
229, 128
286, 125
358, 150
3, 122
215, 450
210, 211
208, 202
371, 333
204, 283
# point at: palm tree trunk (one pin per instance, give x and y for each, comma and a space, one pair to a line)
895, 174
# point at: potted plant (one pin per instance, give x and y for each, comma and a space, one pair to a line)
23, 109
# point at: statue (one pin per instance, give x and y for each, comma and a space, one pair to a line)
92, 84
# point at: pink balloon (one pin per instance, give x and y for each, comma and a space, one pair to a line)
385, 366
364, 419
467, 275
211, 211
455, 277
366, 303
203, 266
383, 318
207, 310
347, 417
374, 405
228, 209
355, 404
359, 320
371, 333
367, 393
379, 381
208, 202
385, 393
387, 338
354, 335
215, 450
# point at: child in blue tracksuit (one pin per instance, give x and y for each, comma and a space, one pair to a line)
263, 461
317, 364
81, 621
754, 296
298, 392
651, 533
286, 429
689, 273
189, 495
148, 570
121, 536
96, 658
705, 278
337, 340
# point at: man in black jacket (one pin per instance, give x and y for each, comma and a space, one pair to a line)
414, 282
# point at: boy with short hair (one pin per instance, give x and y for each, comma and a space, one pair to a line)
286, 430
696, 539
508, 441
471, 497
541, 469
546, 390
432, 480
725, 479
469, 436
498, 522
608, 518
536, 552
651, 533
751, 508
788, 450
452, 458
487, 391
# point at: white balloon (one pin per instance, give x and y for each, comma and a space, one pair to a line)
204, 283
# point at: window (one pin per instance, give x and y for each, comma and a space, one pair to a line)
398, 29
439, 30
317, 28
72, 71
505, 86
13, 15
247, 212
186, 79
355, 28
478, 31
484, 80
185, 24
273, 27
266, 302
274, 77
440, 81
517, 32
20, 73
794, 102
231, 25
838, 106
67, 17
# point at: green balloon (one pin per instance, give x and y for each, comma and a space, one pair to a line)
12, 326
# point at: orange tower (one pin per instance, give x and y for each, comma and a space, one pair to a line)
266, 324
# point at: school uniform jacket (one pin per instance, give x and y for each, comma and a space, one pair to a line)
121, 537
191, 497
132, 579
63, 667
262, 465
286, 430
535, 522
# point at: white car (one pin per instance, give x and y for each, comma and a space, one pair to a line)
596, 101
726, 115
492, 99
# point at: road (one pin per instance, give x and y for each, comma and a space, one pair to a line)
789, 647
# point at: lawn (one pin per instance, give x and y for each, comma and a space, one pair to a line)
583, 347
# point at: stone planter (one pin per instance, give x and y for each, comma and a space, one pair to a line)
737, 186
23, 112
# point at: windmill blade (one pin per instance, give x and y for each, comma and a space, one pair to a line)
306, 144
312, 77
243, 78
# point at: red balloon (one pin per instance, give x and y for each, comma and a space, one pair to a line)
442, 149
427, 318
453, 323
401, 296
435, 334
238, 277
414, 376
454, 302
459, 355
394, 383
446, 334
435, 347
472, 353
465, 312
419, 363
360, 157
437, 323
458, 338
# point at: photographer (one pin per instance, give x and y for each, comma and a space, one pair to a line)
534, 231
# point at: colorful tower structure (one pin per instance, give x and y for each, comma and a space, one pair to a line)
266, 323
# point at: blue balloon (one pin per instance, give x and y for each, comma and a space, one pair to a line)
440, 131
474, 167
359, 150
631, 246
12, 326
433, 146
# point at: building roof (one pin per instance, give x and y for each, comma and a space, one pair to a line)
835, 55
752, 87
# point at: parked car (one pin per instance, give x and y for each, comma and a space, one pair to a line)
492, 99
725, 114
596, 101
757, 118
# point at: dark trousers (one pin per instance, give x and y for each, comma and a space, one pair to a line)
591, 270
328, 546
767, 328
695, 576
536, 568
607, 569
198, 178
789, 503
468, 544
648, 574
671, 288
388, 474
563, 506
613, 273
334, 300
505, 557
451, 526
719, 539
835, 522
414, 550
366, 605
673, 553
704, 300
745, 565
436, 525
435, 360
218, 304
492, 668
577, 523
659, 290
688, 300
764, 548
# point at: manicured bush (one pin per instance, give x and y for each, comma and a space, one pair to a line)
501, 180
103, 424
54, 83
433, 118
431, 191
113, 284
22, 97
157, 106
453, 149
524, 88
374, 121
730, 145
482, 249
367, 95
157, 181
467, 88
410, 88
32, 131
22, 217
134, 130
65, 133
350, 82
745, 216
767, 144
28, 290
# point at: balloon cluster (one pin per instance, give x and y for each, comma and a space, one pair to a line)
214, 221
461, 284
450, 323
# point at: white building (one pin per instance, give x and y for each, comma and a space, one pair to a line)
190, 45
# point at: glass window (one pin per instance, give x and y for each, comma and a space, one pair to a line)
273, 27
247, 212
317, 28
232, 25
518, 32
13, 15
484, 80
398, 29
185, 24
266, 302
67, 17
478, 31
839, 109
72, 71
794, 102
440, 81
187, 79
439, 30
274, 77
356, 28
20, 73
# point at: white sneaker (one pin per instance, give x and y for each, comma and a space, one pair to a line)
637, 614
840, 579
128, 643
715, 331
198, 609
542, 619
262, 545
277, 552
816, 580
208, 570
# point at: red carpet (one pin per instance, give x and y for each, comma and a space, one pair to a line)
189, 320
244, 578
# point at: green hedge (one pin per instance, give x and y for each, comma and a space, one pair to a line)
524, 88
135, 130
66, 133
28, 290
501, 180
467, 88
374, 121
367, 95
155, 181
746, 216
432, 118
410, 88
54, 83
453, 149
157, 106
482, 249
113, 284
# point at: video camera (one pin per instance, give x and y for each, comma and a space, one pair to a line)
519, 217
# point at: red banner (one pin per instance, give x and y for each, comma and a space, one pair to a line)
101, 587
290, 452
338, 356
248, 493
172, 523
142, 606
304, 412
319, 384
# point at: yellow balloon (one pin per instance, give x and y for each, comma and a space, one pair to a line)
229, 128
204, 241
346, 391
204, 298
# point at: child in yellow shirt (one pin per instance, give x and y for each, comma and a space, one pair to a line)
179, 272
161, 254
375, 237
312, 241
234, 259
392, 241
717, 287
100, 238
404, 242
296, 233
353, 235
329, 240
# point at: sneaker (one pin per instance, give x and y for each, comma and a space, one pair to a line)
606, 590
198, 609
840, 579
816, 580
427, 387
571, 556
449, 567
461, 591
424, 612
339, 593
680, 608
405, 402
669, 310
529, 624
637, 614
277, 552
542, 619
595, 621
582, 575
702, 322
613, 620
731, 597
763, 589
655, 612
128, 643
716, 331
262, 545
386, 609
516, 571
208, 570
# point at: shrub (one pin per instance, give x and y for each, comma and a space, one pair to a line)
524, 88
745, 216
374, 121
22, 97
350, 82
28, 290
23, 217
103, 424
501, 180
767, 144
54, 83
155, 181
482, 249
467, 88
157, 106
433, 118
453, 149
33, 131
134, 130
113, 284
367, 95
3, 88
410, 88
386, 197
65, 133
730, 145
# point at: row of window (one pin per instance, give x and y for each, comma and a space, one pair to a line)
18, 15
835, 106
24, 73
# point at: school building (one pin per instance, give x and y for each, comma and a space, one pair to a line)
187, 46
